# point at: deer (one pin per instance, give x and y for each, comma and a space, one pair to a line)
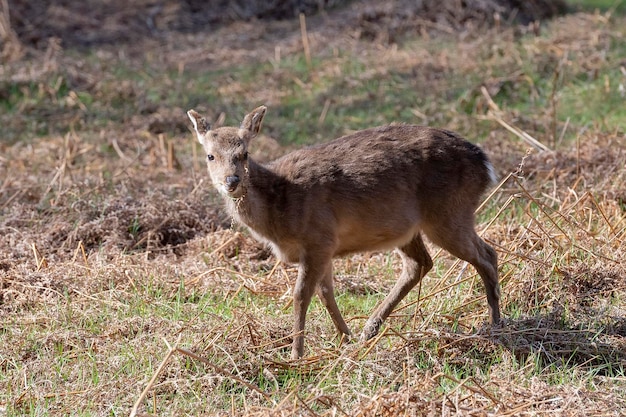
373, 190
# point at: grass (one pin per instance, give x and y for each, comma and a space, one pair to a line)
601, 5
115, 259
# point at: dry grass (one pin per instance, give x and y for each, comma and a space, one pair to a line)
121, 283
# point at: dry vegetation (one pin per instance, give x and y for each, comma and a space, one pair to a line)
122, 283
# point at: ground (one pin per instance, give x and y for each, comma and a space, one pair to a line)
115, 255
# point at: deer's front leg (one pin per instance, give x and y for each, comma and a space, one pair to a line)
310, 272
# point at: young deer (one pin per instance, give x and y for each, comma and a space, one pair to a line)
375, 189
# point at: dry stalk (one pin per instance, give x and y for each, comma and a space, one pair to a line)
305, 41
40, 260
479, 389
119, 151
142, 396
496, 114
372, 343
322, 117
15, 195
541, 207
12, 49
81, 248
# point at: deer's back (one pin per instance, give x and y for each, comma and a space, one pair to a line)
387, 158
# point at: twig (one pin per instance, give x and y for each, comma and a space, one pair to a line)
521, 134
142, 396
40, 260
606, 219
119, 152
226, 243
324, 112
495, 114
6, 203
57, 176
305, 40
372, 343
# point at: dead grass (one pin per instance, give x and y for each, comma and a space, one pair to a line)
115, 259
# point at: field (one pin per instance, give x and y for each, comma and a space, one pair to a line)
125, 289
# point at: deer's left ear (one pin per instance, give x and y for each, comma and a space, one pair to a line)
252, 122
200, 125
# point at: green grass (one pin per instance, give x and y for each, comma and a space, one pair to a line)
602, 5
599, 102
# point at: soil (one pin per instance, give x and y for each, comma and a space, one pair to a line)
90, 23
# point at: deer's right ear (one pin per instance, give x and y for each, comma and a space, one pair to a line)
253, 120
200, 124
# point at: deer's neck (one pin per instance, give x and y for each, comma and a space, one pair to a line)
255, 208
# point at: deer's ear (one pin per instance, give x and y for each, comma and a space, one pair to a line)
252, 122
200, 124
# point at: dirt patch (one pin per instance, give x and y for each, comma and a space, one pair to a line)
88, 23
392, 20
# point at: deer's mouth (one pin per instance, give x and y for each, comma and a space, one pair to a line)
232, 190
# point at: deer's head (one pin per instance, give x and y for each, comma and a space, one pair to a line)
226, 150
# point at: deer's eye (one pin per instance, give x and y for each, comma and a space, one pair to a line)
210, 157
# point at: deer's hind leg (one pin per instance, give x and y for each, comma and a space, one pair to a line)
416, 262
326, 294
458, 236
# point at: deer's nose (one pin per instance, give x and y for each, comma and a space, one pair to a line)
232, 181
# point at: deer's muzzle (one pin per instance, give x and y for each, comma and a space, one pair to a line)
232, 182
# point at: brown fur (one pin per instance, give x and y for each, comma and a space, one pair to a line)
373, 190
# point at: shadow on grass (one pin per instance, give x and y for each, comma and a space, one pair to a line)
558, 342
545, 342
